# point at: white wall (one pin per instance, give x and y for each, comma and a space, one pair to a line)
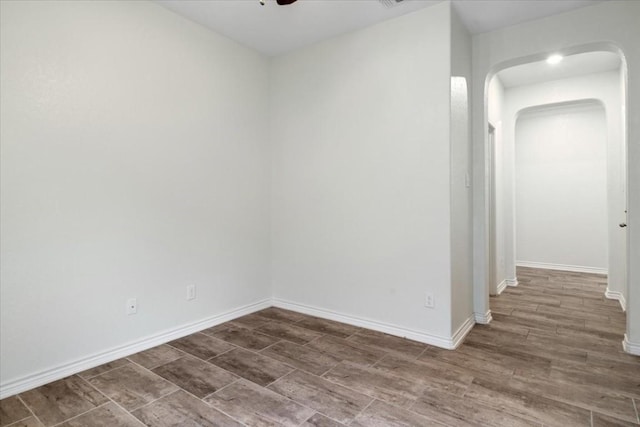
561, 187
604, 88
461, 202
361, 155
611, 25
134, 162
495, 114
618, 287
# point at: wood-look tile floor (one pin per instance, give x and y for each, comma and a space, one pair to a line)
552, 356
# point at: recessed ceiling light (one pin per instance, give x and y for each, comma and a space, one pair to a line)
554, 59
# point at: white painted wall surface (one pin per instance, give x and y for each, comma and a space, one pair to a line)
561, 187
605, 89
618, 286
134, 162
461, 202
360, 208
605, 25
495, 115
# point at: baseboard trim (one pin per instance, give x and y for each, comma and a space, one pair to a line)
463, 331
617, 296
448, 343
511, 282
483, 318
46, 376
563, 267
629, 347
501, 287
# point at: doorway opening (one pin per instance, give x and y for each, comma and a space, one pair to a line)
541, 213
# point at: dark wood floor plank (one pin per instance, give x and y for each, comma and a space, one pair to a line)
529, 405
376, 383
12, 410
255, 405
388, 343
252, 366
301, 357
346, 350
464, 411
380, 414
447, 380
241, 336
60, 400
196, 376
109, 415
339, 403
182, 409
132, 386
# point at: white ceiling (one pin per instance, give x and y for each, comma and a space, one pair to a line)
273, 29
481, 16
570, 66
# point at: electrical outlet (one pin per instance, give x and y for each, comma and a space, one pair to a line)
132, 306
429, 301
191, 292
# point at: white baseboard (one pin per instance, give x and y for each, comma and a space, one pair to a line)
483, 318
618, 296
46, 376
463, 330
501, 287
511, 282
448, 343
629, 347
564, 267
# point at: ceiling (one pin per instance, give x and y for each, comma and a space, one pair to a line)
570, 66
481, 16
274, 30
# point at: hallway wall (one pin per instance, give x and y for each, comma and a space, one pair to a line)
608, 25
561, 188
601, 87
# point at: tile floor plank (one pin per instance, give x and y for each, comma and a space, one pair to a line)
241, 336
27, 422
201, 345
380, 414
109, 415
156, 356
346, 350
181, 409
376, 383
448, 380
132, 386
329, 327
255, 405
301, 357
337, 402
63, 399
388, 343
196, 376
12, 410
319, 420
90, 373
289, 332
254, 367
281, 315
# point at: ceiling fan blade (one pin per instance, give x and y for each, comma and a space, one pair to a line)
285, 2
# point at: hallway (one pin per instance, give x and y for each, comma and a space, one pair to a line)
554, 351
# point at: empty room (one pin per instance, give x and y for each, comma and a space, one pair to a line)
319, 213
